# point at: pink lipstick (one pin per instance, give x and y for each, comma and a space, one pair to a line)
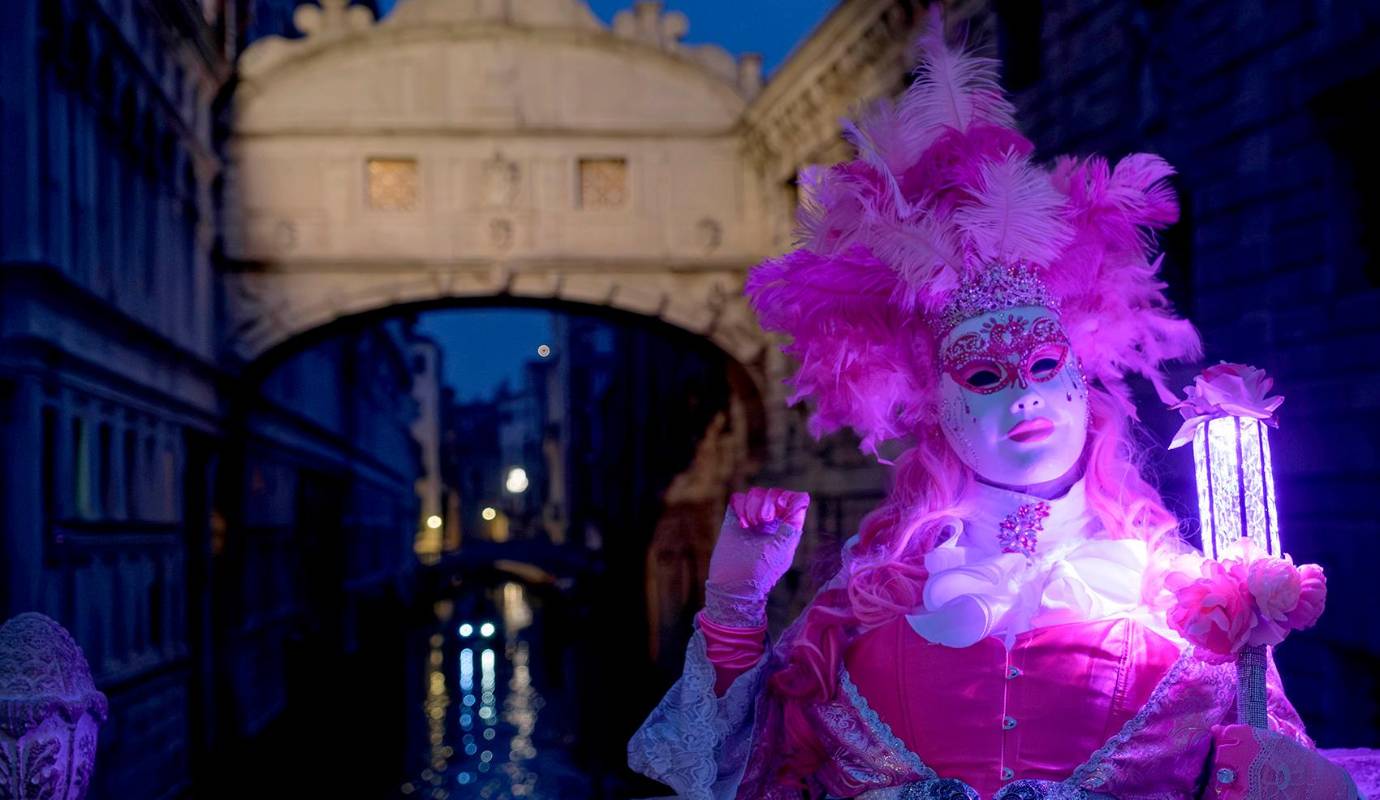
1031, 430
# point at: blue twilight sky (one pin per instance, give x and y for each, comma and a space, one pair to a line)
769, 27
482, 347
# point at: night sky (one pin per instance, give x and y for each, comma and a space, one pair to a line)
484, 347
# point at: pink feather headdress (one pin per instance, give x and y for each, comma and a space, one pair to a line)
942, 190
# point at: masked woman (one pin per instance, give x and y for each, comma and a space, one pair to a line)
998, 628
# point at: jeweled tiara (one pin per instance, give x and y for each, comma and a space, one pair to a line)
996, 287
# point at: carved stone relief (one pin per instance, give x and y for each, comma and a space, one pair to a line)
49, 712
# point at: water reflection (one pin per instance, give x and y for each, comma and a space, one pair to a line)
483, 713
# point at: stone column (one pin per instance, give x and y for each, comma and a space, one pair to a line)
49, 712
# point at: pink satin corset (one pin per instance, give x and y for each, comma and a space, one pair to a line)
988, 717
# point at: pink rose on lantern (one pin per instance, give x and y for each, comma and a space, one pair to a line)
1225, 390
1312, 597
1214, 612
1275, 585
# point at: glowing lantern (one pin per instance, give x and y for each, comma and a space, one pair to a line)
1236, 486
1223, 416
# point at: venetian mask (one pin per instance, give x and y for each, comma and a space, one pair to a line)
1014, 402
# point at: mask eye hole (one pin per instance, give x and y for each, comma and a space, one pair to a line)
1046, 362
981, 376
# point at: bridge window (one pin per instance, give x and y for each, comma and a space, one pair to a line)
603, 183
392, 184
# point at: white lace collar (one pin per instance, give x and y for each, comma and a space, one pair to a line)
1021, 562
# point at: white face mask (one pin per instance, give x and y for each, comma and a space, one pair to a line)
1014, 400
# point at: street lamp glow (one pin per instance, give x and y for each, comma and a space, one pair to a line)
433, 522
488, 513
517, 480
486, 630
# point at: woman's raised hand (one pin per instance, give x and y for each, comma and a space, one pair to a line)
762, 510
755, 548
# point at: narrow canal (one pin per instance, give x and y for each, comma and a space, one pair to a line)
496, 678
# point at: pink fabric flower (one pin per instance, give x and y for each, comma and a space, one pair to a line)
1312, 597
1274, 584
1225, 390
1214, 612
1245, 599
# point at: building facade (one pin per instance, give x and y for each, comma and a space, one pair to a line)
111, 388
129, 516
435, 527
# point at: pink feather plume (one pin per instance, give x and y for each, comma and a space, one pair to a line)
1016, 213
953, 89
943, 184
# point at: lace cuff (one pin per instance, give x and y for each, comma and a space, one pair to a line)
743, 610
1283, 769
694, 741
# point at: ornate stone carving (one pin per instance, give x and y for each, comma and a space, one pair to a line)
333, 18
710, 234
501, 233
501, 180
49, 712
648, 23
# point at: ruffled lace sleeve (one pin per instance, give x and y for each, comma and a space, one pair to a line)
695, 741
701, 744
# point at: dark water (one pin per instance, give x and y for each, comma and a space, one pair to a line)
500, 689
495, 720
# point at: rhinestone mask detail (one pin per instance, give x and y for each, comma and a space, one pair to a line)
997, 287
1014, 350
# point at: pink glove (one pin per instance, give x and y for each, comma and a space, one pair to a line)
1255, 764
756, 546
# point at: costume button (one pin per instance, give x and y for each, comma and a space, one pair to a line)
1008, 723
1007, 773
1013, 672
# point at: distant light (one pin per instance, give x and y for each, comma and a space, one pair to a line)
488, 512
543, 351
466, 629
517, 480
463, 778
486, 630
433, 522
